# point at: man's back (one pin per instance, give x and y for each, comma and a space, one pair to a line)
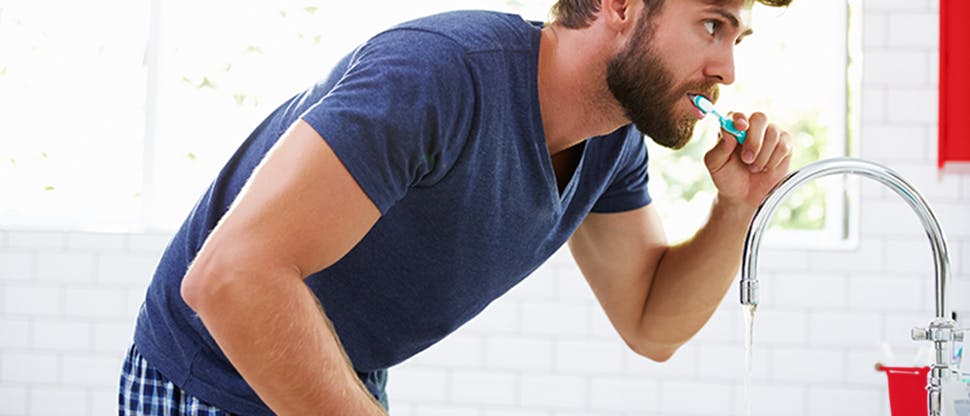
438, 122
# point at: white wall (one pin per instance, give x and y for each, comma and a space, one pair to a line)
68, 299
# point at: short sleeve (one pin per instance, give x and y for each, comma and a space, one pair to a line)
400, 114
628, 189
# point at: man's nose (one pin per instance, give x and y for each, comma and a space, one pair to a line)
721, 66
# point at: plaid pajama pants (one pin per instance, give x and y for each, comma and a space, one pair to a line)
146, 392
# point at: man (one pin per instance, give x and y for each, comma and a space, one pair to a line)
437, 166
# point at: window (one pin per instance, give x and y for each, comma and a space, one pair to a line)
806, 85
117, 113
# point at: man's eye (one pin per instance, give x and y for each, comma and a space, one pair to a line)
711, 26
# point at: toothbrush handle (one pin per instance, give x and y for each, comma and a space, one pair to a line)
728, 125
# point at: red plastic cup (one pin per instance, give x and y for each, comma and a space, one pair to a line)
907, 390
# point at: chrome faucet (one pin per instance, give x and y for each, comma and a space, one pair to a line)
942, 331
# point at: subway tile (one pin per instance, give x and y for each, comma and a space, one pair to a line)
58, 401
897, 328
15, 333
844, 329
65, 267
418, 384
771, 399
90, 370
843, 401
813, 290
814, 365
519, 353
483, 388
16, 265
540, 285
94, 302
500, 317
554, 391
112, 337
912, 105
28, 367
725, 325
883, 292
895, 6
571, 285
148, 243
588, 357
554, 318
868, 256
954, 218
892, 146
102, 242
445, 410
61, 335
36, 240
896, 68
683, 398
875, 30
459, 350
775, 326
914, 30
13, 400
911, 256
860, 366
104, 400
928, 181
726, 362
888, 218
129, 269
513, 412
134, 299
776, 259
32, 300
624, 394
874, 107
600, 326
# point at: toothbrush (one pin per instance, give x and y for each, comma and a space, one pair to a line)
707, 107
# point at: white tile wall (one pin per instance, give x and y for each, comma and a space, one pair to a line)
68, 300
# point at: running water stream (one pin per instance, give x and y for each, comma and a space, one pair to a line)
749, 311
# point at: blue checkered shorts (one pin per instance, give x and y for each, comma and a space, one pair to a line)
146, 392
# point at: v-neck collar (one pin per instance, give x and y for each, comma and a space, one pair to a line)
560, 200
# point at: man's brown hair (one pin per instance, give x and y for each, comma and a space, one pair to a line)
577, 14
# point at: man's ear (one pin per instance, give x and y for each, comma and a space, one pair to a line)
620, 15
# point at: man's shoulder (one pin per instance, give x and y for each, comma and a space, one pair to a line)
475, 31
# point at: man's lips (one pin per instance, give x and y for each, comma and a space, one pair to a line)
696, 112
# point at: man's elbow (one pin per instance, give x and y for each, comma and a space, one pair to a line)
654, 351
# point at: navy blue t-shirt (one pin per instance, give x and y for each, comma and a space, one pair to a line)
438, 122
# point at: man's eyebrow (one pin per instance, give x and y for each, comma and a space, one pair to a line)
732, 18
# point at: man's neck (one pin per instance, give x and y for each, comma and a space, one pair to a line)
573, 97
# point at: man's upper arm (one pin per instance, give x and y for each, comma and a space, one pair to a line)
300, 209
618, 254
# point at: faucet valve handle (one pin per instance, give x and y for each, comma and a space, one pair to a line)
938, 331
919, 334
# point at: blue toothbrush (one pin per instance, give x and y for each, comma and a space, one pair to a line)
707, 107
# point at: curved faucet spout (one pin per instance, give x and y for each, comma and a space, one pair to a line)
835, 166
942, 331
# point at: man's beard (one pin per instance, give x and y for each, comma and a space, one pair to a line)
640, 81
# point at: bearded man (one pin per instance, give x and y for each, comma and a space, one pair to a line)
434, 168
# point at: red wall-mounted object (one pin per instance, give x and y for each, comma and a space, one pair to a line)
954, 111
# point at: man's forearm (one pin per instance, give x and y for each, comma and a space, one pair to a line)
277, 337
692, 277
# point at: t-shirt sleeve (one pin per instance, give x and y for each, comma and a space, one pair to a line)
400, 114
628, 189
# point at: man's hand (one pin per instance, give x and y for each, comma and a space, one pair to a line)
744, 174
